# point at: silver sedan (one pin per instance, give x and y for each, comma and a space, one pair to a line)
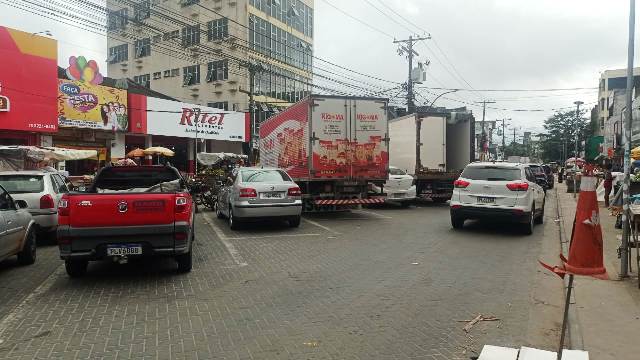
259, 193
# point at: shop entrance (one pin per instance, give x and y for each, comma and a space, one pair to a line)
177, 145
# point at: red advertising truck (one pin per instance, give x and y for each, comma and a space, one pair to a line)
334, 147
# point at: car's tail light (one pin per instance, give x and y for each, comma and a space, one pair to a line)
63, 240
63, 206
181, 236
518, 186
461, 184
46, 202
456, 206
294, 191
181, 204
248, 193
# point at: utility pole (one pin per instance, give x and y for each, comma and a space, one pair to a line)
483, 137
514, 135
406, 48
253, 68
196, 113
626, 231
575, 156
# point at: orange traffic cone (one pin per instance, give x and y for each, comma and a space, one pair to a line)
585, 251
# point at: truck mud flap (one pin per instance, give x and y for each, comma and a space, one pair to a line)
334, 205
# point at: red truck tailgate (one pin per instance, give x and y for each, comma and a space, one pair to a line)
98, 210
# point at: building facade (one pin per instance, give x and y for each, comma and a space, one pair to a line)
610, 109
198, 51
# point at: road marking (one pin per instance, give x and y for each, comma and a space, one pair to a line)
235, 254
372, 213
21, 311
271, 236
321, 226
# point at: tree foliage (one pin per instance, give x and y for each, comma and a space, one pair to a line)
561, 134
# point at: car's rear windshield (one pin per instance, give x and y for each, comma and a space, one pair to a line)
137, 179
491, 173
258, 176
19, 184
395, 171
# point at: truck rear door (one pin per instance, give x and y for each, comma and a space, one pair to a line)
117, 210
368, 132
330, 142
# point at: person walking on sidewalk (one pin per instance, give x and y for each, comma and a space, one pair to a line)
608, 184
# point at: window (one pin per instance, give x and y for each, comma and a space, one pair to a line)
144, 80
219, 105
22, 184
274, 42
143, 47
396, 171
602, 104
157, 39
167, 73
491, 173
175, 72
191, 75
602, 123
142, 10
157, 75
257, 176
117, 20
5, 201
118, 53
171, 35
58, 184
218, 70
184, 3
191, 35
217, 29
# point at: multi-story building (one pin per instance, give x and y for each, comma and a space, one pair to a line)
609, 110
199, 51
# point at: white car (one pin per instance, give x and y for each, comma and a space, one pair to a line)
400, 188
487, 190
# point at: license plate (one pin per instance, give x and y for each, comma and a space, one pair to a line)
398, 195
486, 200
272, 195
124, 250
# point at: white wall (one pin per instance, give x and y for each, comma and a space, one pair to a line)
402, 144
118, 150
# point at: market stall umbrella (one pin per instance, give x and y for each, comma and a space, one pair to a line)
135, 153
158, 150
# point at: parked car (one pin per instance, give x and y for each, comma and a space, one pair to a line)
505, 191
548, 171
540, 175
17, 230
128, 212
400, 188
41, 190
253, 193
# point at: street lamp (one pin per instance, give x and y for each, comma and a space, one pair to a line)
575, 156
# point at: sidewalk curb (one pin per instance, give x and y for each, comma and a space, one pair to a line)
576, 340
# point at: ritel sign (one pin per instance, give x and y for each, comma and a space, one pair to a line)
174, 118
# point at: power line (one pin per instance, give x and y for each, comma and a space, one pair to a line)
510, 90
358, 20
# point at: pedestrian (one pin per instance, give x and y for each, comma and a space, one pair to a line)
608, 184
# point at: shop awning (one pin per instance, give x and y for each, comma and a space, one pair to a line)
19, 157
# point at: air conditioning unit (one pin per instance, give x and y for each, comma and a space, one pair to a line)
218, 91
195, 89
124, 64
138, 61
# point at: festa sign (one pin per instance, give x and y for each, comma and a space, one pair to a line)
83, 105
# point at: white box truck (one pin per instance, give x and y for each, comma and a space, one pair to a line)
332, 146
435, 147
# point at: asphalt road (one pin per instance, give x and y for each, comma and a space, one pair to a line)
381, 283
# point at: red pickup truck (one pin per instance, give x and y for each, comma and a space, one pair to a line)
129, 211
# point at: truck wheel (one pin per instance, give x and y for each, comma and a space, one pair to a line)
28, 254
76, 268
294, 222
185, 262
457, 222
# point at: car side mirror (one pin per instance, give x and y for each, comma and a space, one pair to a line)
21, 204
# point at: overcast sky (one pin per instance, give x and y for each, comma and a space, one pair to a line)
489, 44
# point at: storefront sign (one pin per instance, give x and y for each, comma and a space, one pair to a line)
83, 105
173, 118
29, 75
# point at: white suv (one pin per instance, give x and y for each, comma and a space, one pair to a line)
487, 190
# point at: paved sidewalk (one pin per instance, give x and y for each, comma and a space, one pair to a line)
606, 315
